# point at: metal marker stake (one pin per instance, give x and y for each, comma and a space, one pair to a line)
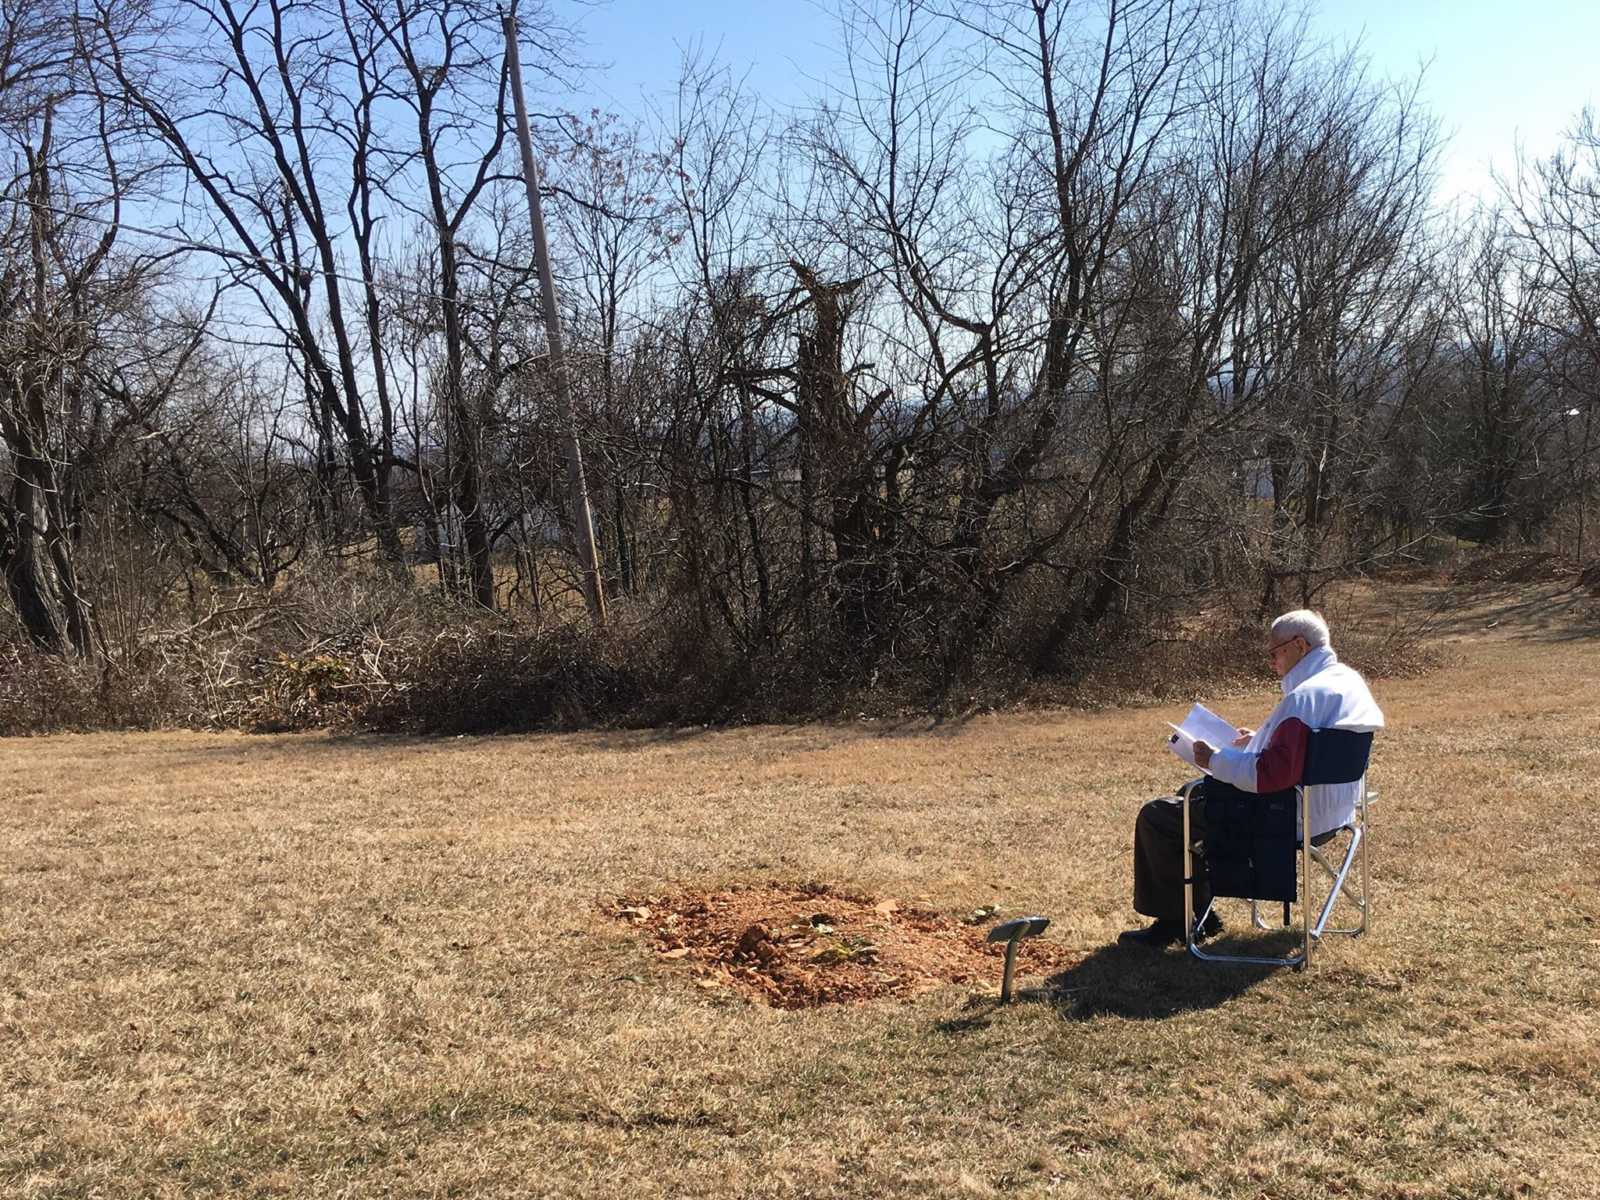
1012, 933
1011, 963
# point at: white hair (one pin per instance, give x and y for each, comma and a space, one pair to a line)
1301, 623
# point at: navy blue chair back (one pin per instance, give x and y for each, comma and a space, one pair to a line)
1336, 756
1249, 841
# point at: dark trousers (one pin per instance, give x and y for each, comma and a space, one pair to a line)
1158, 859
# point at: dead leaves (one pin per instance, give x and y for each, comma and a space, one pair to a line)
798, 946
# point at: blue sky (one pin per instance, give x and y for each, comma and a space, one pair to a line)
1499, 69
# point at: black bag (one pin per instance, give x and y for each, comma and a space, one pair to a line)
1250, 841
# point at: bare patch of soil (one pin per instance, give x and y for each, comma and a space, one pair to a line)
804, 945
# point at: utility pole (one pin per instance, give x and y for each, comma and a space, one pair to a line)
582, 521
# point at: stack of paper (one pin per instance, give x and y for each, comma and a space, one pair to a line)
1201, 725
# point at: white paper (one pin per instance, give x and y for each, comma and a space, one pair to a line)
1201, 725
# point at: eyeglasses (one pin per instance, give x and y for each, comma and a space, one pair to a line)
1272, 651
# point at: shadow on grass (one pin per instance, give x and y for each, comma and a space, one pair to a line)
1555, 613
1146, 985
308, 743
1136, 983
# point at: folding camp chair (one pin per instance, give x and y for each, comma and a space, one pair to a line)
1252, 842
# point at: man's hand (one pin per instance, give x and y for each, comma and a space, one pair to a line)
1244, 737
1202, 754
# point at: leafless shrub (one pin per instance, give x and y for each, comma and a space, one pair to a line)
41, 692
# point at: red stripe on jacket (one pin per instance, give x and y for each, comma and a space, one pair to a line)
1283, 762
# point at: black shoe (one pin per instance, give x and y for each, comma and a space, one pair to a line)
1162, 933
1209, 928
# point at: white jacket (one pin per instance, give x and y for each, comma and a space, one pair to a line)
1322, 693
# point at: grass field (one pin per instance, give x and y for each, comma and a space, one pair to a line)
334, 966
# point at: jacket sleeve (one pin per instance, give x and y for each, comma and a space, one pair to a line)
1283, 762
1279, 765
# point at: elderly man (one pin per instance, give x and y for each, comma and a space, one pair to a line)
1319, 692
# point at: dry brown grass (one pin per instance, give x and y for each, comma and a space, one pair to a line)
318, 965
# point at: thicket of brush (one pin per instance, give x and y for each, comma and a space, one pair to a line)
362, 650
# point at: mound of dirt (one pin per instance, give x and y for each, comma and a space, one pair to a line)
800, 946
1517, 566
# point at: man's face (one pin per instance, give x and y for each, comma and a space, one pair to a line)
1285, 653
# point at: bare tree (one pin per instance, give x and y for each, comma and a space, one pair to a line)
1504, 400
69, 393
1557, 203
248, 126
615, 227
447, 63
